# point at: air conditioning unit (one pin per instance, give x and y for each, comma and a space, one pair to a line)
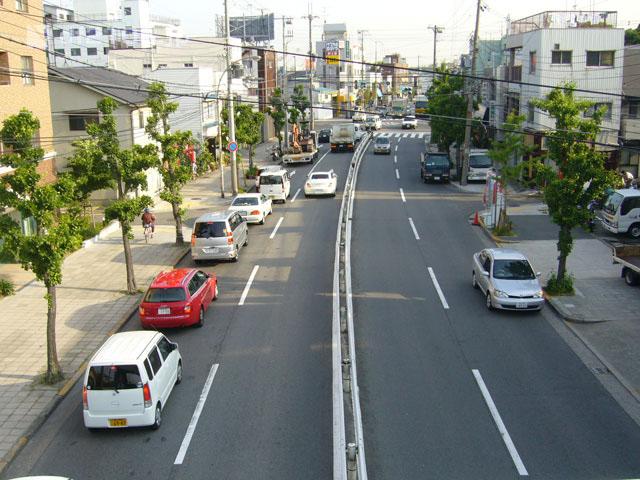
556, 46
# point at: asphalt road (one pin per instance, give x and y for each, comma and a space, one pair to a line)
268, 413
424, 413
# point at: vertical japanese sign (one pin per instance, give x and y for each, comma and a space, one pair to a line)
332, 52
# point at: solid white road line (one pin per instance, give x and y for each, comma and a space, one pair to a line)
397, 174
404, 200
501, 428
275, 229
438, 289
318, 162
245, 292
413, 227
295, 196
196, 416
395, 159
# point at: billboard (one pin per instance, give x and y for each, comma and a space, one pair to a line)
332, 52
258, 28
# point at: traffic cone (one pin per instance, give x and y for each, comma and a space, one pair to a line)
476, 219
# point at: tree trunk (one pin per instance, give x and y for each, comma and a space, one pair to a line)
250, 157
565, 242
54, 372
131, 278
175, 209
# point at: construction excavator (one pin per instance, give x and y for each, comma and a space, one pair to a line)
303, 148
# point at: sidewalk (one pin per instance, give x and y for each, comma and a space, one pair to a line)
91, 305
604, 312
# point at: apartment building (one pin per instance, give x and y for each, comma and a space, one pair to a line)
23, 75
630, 121
551, 48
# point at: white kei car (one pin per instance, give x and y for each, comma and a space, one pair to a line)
253, 207
321, 183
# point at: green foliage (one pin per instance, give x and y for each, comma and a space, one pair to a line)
562, 286
251, 172
447, 106
300, 104
577, 175
6, 288
632, 36
248, 127
87, 229
278, 113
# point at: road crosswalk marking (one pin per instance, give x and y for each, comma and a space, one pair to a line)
400, 134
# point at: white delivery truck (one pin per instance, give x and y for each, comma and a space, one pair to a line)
343, 137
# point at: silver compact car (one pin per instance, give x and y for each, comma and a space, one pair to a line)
507, 280
218, 236
382, 145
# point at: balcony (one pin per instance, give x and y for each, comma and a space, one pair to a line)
564, 19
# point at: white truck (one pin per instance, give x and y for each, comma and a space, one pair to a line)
343, 137
304, 148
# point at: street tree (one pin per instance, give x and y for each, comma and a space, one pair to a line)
121, 169
447, 107
248, 128
278, 113
576, 174
174, 165
632, 36
299, 105
49, 206
505, 154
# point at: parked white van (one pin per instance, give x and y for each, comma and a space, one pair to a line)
129, 379
621, 212
480, 164
276, 184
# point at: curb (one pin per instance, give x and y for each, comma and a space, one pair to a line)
68, 385
497, 240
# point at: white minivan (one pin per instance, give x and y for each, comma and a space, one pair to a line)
129, 379
276, 185
621, 212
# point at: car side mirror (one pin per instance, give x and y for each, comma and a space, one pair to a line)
174, 346
485, 273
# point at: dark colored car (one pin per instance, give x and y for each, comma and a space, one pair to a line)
436, 166
178, 298
324, 135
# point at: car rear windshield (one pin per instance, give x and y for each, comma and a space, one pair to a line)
410, 118
270, 180
209, 229
512, 270
162, 295
480, 161
114, 377
382, 141
320, 176
242, 201
437, 161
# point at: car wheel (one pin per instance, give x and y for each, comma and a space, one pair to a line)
216, 292
179, 373
634, 230
200, 318
157, 418
262, 221
489, 302
246, 241
631, 278
235, 257
474, 281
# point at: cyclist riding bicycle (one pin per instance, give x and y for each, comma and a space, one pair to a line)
149, 220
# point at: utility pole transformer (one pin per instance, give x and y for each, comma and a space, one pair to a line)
230, 110
469, 82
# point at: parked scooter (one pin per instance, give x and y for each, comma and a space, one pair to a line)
275, 153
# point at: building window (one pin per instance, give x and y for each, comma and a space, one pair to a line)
59, 52
27, 70
531, 113
600, 59
159, 66
127, 10
61, 16
75, 32
533, 61
633, 109
105, 50
597, 106
106, 31
57, 33
75, 52
562, 57
92, 51
22, 5
5, 78
79, 121
148, 65
128, 30
188, 65
69, 17
90, 31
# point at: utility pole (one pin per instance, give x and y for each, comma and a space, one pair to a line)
436, 30
285, 83
469, 82
232, 123
310, 17
361, 33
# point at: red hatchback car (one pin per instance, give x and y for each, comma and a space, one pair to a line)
178, 298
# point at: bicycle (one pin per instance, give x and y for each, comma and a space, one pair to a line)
148, 233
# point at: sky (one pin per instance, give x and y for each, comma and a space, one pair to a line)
390, 27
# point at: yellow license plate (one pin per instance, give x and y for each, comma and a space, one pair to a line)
117, 422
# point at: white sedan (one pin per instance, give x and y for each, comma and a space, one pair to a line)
321, 183
253, 207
